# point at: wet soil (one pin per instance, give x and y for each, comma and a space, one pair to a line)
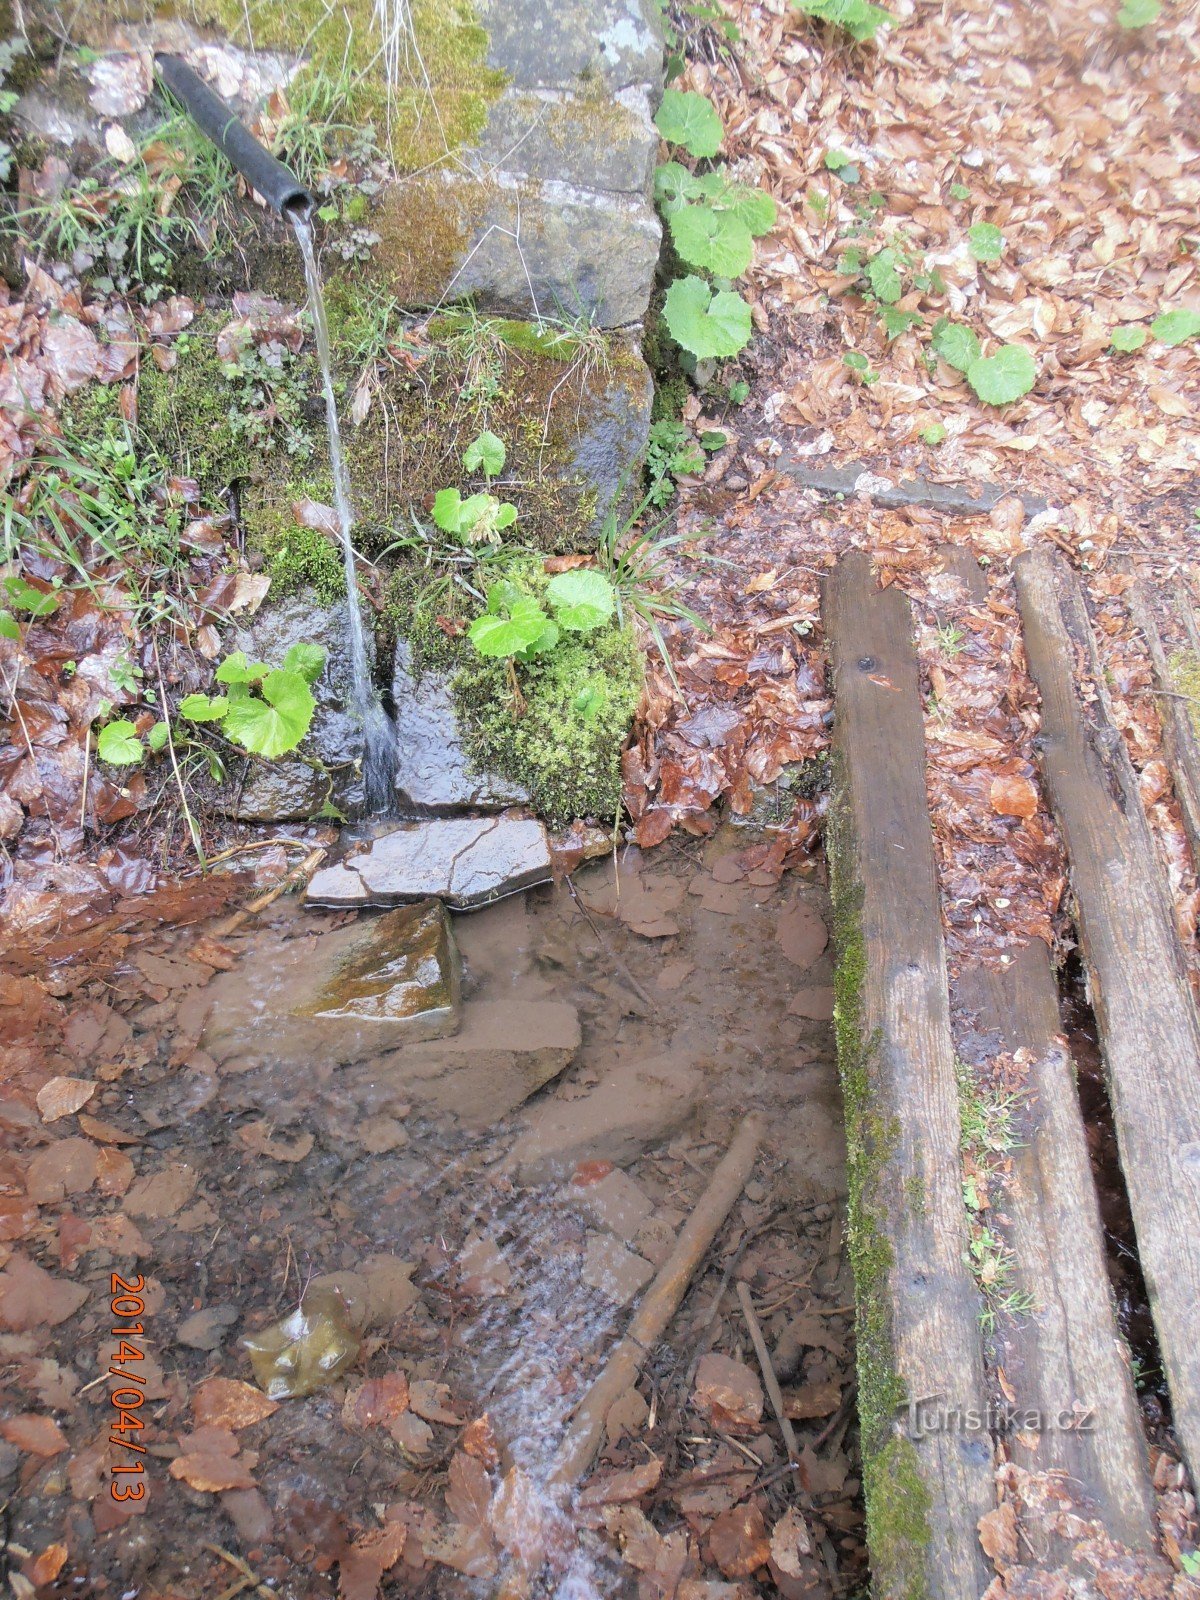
229, 1190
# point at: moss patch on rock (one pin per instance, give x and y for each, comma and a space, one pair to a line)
445, 85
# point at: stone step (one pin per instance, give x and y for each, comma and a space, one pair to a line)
465, 861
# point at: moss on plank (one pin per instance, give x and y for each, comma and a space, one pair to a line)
897, 1499
1184, 667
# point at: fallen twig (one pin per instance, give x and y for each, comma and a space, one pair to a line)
300, 874
771, 1385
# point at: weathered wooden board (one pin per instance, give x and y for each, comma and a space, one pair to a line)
918, 1309
1065, 1362
1180, 740
1148, 1024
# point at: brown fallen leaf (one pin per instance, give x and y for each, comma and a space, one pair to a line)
31, 1297
207, 1462
998, 1535
257, 1138
431, 1401
378, 1402
479, 1440
737, 1541
1013, 797
230, 1403
48, 1565
36, 1435
163, 1193
727, 1392
614, 1487
61, 1097
413, 1437
361, 1568
790, 1542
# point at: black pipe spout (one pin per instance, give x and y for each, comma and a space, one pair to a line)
278, 187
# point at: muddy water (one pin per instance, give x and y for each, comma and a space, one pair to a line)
719, 989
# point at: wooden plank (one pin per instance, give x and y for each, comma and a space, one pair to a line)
1138, 983
1066, 1360
1180, 740
918, 1309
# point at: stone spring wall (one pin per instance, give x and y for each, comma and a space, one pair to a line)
542, 213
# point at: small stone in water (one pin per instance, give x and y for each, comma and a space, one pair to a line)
303, 1351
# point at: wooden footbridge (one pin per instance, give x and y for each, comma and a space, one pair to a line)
944, 1479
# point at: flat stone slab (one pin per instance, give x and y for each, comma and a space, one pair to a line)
636, 1104
465, 861
505, 1051
434, 774
344, 995
613, 1202
618, 1273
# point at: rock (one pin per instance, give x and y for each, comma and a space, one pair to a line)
465, 861
206, 1330
506, 1050
346, 995
801, 934
550, 214
613, 1202
434, 774
816, 1003
289, 789
636, 1104
615, 1271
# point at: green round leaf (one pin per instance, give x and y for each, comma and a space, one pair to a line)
1173, 327
486, 451
305, 658
955, 343
674, 185
9, 628
1004, 377
23, 596
1130, 336
118, 744
935, 433
447, 510
203, 708
707, 325
753, 208
985, 241
275, 724
582, 599
499, 634
1139, 13
713, 240
883, 274
689, 119
236, 669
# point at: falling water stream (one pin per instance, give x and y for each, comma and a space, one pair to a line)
378, 732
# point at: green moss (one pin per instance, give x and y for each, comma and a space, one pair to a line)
438, 105
570, 764
897, 1500
898, 1505
1184, 667
185, 412
295, 556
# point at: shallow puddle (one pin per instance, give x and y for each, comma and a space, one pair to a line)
502, 1238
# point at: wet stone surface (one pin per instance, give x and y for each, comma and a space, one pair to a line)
352, 992
434, 774
465, 861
